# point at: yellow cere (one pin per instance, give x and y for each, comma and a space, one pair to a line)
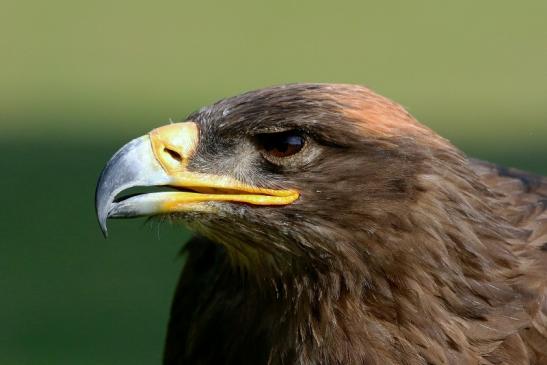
174, 144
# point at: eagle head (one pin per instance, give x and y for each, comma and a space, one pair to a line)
286, 175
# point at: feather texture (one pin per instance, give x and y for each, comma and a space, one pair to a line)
400, 251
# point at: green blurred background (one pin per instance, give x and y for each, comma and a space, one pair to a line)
79, 79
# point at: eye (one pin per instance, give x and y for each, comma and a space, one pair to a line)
282, 144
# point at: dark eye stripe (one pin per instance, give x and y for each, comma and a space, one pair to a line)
282, 144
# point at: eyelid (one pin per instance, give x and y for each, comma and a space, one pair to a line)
309, 136
278, 129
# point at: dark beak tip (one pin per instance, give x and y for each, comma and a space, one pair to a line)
101, 208
104, 230
102, 224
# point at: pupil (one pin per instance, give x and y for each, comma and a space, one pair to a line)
286, 145
282, 147
281, 144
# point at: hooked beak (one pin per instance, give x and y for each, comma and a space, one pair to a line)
160, 159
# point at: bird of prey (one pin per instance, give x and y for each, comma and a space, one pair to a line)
333, 228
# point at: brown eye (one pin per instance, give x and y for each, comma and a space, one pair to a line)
282, 144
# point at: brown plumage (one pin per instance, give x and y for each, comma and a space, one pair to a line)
400, 250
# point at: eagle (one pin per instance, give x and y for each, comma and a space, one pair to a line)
333, 228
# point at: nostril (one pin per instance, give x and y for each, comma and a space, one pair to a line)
174, 154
